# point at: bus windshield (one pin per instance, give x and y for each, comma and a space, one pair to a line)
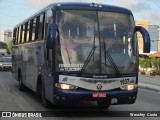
98, 42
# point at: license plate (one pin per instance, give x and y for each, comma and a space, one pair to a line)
99, 94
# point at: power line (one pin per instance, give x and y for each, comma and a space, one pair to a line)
156, 3
6, 25
10, 15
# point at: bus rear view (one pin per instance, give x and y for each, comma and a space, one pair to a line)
92, 55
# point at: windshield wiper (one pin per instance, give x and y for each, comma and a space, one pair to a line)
89, 57
110, 59
68, 56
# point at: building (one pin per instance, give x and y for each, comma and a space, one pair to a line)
159, 39
143, 23
6, 36
154, 36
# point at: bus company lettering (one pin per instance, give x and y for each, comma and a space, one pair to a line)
70, 67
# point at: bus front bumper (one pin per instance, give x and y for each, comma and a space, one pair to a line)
74, 97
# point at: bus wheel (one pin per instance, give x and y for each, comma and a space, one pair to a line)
45, 102
104, 103
21, 86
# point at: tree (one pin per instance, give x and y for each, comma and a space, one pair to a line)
9, 47
145, 63
154, 62
158, 66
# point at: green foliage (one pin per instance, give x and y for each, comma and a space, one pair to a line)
145, 62
154, 62
9, 47
150, 62
158, 63
3, 45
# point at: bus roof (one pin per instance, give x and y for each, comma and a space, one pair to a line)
80, 6
89, 6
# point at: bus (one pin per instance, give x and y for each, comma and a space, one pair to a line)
73, 52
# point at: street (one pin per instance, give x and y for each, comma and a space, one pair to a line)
11, 99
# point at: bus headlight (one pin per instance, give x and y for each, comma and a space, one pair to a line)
129, 87
65, 86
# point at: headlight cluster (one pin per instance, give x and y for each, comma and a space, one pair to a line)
65, 86
129, 87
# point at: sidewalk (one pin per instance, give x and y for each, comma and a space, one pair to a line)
149, 82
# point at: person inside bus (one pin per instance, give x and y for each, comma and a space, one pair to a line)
112, 40
108, 37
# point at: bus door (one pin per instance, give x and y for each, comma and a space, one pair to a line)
49, 61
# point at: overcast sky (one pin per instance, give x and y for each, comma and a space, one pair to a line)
14, 11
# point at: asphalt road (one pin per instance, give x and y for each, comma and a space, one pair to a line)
11, 99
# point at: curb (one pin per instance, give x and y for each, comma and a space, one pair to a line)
149, 87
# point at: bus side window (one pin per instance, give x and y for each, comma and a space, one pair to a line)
37, 28
14, 35
27, 31
23, 32
20, 41
16, 42
34, 29
41, 26
30, 30
18, 35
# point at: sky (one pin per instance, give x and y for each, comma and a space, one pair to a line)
14, 11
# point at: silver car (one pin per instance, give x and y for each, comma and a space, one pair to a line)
5, 63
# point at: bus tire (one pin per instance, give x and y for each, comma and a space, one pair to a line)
104, 103
21, 86
45, 102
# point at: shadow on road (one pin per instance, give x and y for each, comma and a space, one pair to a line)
83, 109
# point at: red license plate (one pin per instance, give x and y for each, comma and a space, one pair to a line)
99, 94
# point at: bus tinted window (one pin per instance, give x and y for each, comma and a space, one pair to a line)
23, 31
14, 36
30, 31
16, 42
27, 32
37, 27
19, 32
41, 26
34, 30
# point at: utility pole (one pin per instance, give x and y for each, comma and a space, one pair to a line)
158, 38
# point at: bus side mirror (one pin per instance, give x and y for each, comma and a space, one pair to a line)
146, 38
51, 35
